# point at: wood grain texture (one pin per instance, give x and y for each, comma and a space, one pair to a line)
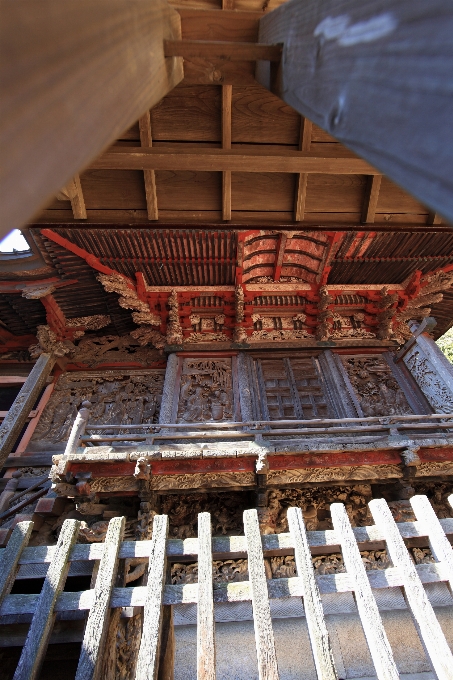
222, 50
317, 629
205, 608
74, 77
348, 82
439, 543
146, 140
9, 558
227, 91
18, 414
206, 160
370, 619
425, 621
91, 655
148, 656
41, 626
371, 199
264, 636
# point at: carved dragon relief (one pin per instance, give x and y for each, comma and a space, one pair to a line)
117, 397
375, 386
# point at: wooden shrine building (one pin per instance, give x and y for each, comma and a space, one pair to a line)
240, 257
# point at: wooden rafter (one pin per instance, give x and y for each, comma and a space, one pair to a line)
222, 50
227, 92
146, 140
73, 192
301, 190
434, 218
235, 160
279, 255
371, 199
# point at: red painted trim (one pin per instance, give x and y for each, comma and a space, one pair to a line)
322, 460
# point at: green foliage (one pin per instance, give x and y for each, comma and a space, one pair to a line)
445, 343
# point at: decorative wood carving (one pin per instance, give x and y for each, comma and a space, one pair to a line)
197, 338
206, 392
117, 397
113, 348
38, 291
91, 323
325, 314
49, 343
174, 329
349, 326
357, 472
430, 382
385, 317
239, 303
202, 481
226, 512
375, 386
278, 328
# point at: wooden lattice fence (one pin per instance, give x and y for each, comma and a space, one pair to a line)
156, 652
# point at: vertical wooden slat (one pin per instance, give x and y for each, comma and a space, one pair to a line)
11, 554
146, 140
91, 655
148, 655
431, 635
439, 543
302, 179
41, 626
264, 637
376, 638
371, 198
75, 193
227, 93
434, 218
205, 609
317, 629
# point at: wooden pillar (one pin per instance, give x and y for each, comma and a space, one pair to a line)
339, 68
74, 75
23, 404
168, 392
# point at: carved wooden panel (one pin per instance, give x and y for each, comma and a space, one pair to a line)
291, 388
118, 397
375, 386
206, 390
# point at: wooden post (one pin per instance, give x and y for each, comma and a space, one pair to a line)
339, 68
264, 636
227, 94
78, 429
146, 140
10, 556
205, 606
74, 76
19, 411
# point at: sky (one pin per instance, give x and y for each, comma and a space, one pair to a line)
14, 241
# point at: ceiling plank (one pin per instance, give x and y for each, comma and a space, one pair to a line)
235, 160
371, 199
146, 141
223, 50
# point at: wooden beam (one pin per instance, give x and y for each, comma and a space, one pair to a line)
235, 160
223, 50
73, 77
371, 198
146, 140
227, 4
227, 93
279, 256
301, 189
434, 218
341, 73
73, 192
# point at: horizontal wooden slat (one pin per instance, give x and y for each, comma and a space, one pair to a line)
214, 49
207, 160
228, 544
228, 592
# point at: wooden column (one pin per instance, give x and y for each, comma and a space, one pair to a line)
73, 77
146, 140
18, 413
227, 93
339, 68
302, 178
168, 392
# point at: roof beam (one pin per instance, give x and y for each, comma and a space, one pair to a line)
227, 97
279, 255
146, 141
302, 180
234, 160
434, 218
371, 199
73, 192
222, 50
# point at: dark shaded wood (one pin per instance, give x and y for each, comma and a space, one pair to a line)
149, 175
74, 77
342, 72
371, 198
223, 50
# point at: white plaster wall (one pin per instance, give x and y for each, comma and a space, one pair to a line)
236, 655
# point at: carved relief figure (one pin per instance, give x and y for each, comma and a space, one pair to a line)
349, 326
117, 398
375, 386
273, 328
206, 392
430, 382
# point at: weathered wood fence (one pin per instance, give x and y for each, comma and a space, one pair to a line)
156, 647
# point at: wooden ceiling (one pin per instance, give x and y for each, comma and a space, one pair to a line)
220, 148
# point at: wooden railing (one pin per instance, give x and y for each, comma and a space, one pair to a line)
156, 597
392, 425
